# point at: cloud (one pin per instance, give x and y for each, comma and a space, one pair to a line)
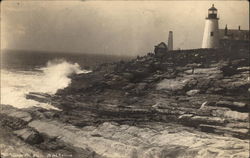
124, 27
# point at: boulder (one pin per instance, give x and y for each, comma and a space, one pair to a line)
12, 122
172, 84
30, 136
204, 71
40, 97
208, 120
243, 69
22, 115
231, 104
237, 115
245, 125
239, 104
239, 132
15, 113
185, 117
193, 92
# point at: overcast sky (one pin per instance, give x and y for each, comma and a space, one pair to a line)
111, 27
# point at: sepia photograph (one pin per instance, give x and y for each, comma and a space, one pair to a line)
124, 79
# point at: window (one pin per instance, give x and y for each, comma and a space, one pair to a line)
211, 33
212, 12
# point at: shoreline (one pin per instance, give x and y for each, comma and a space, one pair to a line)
149, 106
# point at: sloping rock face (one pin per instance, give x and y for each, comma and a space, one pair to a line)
11, 146
153, 140
209, 86
110, 139
207, 91
19, 138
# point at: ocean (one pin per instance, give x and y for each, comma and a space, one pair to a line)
26, 71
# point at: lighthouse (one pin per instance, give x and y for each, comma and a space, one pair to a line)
211, 31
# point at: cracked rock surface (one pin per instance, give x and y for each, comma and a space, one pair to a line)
192, 103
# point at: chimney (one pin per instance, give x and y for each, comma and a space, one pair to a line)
239, 27
225, 33
170, 40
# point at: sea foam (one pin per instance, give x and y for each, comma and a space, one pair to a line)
54, 76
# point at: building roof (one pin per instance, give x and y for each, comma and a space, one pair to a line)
234, 34
162, 45
212, 8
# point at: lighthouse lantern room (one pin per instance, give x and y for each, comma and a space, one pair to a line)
211, 31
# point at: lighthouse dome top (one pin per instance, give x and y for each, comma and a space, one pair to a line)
212, 13
212, 8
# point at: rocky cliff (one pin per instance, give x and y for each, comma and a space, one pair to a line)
175, 104
205, 89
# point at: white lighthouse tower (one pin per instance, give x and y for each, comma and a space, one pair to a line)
211, 31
